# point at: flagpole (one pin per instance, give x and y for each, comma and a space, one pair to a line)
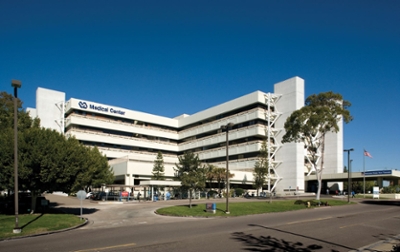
364, 171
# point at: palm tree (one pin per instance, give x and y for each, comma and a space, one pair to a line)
220, 175
210, 174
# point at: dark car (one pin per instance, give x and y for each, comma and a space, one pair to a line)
106, 196
24, 204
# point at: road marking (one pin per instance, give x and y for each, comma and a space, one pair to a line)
350, 225
302, 221
105, 248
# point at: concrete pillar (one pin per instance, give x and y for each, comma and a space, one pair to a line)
380, 182
292, 169
127, 179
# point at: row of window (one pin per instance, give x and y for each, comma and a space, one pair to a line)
155, 151
163, 127
172, 141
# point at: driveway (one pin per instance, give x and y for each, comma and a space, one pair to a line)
112, 214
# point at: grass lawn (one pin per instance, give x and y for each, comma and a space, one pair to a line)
242, 208
36, 223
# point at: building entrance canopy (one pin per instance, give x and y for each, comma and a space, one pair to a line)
165, 183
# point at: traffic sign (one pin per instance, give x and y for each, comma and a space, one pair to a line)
81, 195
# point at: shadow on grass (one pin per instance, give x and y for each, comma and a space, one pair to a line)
270, 243
31, 221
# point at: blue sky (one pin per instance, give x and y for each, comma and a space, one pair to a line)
174, 57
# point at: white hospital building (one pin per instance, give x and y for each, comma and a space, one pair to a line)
131, 139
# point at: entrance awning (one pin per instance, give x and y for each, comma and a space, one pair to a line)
160, 183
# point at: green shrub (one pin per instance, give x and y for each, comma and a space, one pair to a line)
391, 189
312, 203
239, 191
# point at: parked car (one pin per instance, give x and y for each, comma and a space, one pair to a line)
89, 195
106, 196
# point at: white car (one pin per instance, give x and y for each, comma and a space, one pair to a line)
89, 195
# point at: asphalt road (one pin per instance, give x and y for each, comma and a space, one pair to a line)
135, 227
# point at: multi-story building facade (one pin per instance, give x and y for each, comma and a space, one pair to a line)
132, 139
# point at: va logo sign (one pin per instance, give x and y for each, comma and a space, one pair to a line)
83, 105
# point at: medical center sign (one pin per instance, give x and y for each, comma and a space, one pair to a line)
84, 105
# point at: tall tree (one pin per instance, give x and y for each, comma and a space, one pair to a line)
95, 169
47, 160
210, 174
220, 175
309, 125
261, 168
158, 167
191, 173
7, 136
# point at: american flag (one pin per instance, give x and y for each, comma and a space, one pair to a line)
366, 153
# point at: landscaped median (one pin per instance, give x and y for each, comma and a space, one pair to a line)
35, 224
247, 208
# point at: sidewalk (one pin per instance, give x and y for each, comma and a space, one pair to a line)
385, 245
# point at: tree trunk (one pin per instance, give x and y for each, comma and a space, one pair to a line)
319, 173
190, 198
319, 178
33, 201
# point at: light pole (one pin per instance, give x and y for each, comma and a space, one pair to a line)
348, 173
227, 128
16, 84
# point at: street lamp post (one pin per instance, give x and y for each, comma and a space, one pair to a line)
348, 174
16, 84
227, 128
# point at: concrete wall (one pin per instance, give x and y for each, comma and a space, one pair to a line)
290, 154
50, 108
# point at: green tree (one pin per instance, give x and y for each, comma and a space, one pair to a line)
216, 173
7, 136
47, 161
95, 170
210, 174
40, 152
358, 186
309, 125
158, 168
51, 162
260, 172
220, 176
191, 173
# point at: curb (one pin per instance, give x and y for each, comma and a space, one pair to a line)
384, 245
49, 232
